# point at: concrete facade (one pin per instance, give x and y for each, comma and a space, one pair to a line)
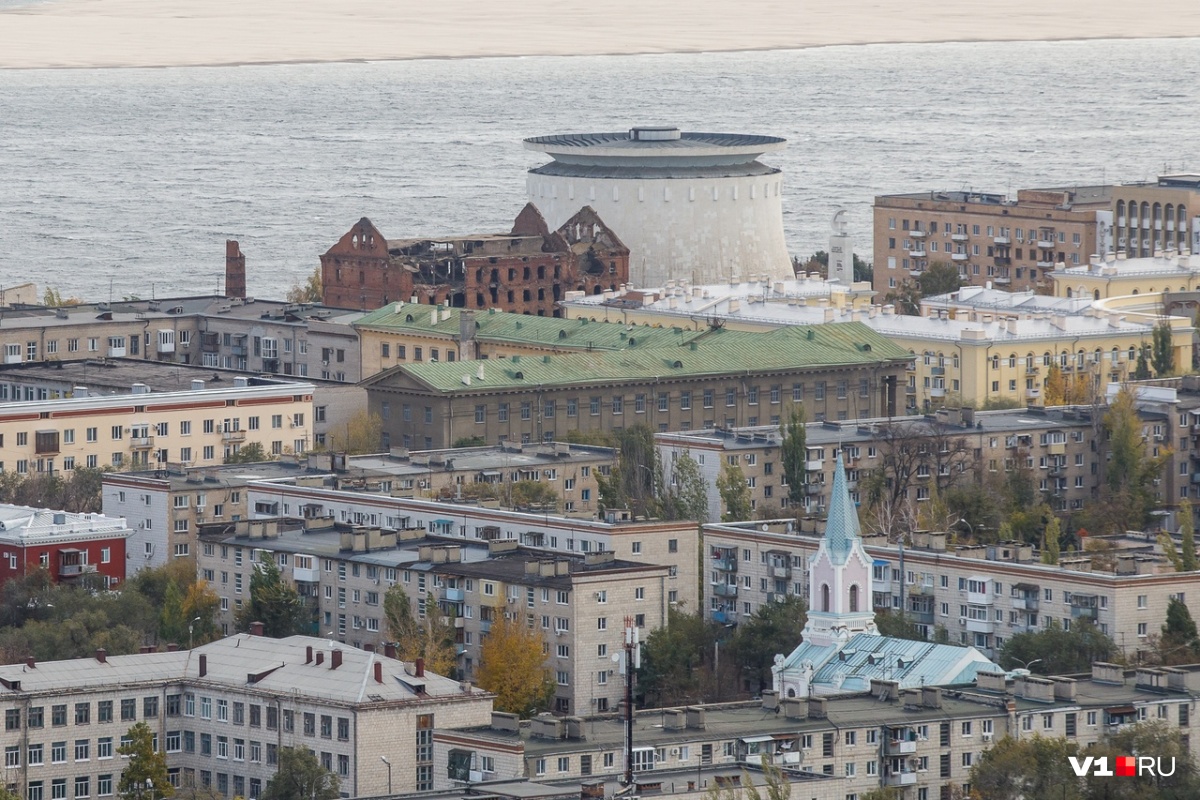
1155, 216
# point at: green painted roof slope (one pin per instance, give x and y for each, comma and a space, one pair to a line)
501, 326
716, 352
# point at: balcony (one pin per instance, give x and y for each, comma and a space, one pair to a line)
959, 237
1002, 280
814, 466
725, 590
306, 574
1032, 370
726, 564
917, 234
485, 626
812, 489
918, 252
903, 778
1033, 394
238, 350
937, 370
937, 391
921, 590
724, 616
233, 436
1001, 240
781, 571
1045, 264
905, 744
979, 625
1046, 244
455, 595
960, 256
910, 389
141, 442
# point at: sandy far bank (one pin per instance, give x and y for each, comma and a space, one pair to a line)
160, 33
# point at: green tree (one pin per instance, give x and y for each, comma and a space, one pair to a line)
1032, 767
1163, 349
774, 629
1130, 469
1054, 651
636, 481
883, 793
898, 626
146, 766
687, 492
251, 453
397, 614
677, 660
53, 298
778, 785
469, 441
1142, 371
1179, 643
273, 602
1187, 538
1051, 547
735, 494
939, 278
534, 494
1152, 737
430, 638
301, 777
794, 453
512, 665
906, 298
308, 291
361, 433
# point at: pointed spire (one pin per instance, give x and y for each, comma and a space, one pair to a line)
841, 528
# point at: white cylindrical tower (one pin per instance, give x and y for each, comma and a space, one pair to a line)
697, 207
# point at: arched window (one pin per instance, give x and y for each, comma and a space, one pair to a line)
1012, 360
825, 597
1096, 295
853, 598
791, 692
1120, 212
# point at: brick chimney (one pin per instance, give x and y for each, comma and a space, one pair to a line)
320, 658
420, 665
308, 654
31, 662
172, 647
379, 672
335, 659
235, 270
203, 665
256, 629
389, 649
101, 655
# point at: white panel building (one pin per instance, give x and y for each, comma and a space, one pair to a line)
690, 206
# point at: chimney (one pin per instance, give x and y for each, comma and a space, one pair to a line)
101, 655
466, 335
335, 659
203, 664
420, 665
379, 672
389, 649
235, 270
308, 654
320, 658
31, 662
172, 647
256, 629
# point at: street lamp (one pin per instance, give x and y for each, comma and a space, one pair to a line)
970, 527
191, 628
150, 787
384, 759
1027, 664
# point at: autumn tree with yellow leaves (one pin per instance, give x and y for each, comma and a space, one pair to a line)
511, 665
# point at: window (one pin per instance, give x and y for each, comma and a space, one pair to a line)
104, 747
35, 755
82, 749
58, 752
128, 710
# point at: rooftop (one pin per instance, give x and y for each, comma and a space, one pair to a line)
29, 525
1116, 265
117, 376
169, 308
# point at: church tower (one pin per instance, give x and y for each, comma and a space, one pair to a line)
839, 574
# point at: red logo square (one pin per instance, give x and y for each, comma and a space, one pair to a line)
1126, 766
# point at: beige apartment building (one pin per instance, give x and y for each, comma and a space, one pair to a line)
1116, 279
982, 595
1012, 244
145, 429
577, 603
221, 712
922, 742
1156, 216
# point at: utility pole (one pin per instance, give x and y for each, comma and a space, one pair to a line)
630, 659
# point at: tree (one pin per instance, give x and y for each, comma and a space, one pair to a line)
301, 777
735, 494
1179, 643
1054, 390
308, 291
778, 785
53, 298
397, 614
1163, 349
272, 602
469, 441
534, 494
361, 433
1187, 538
1129, 470
1051, 547
145, 764
430, 638
794, 453
906, 298
512, 666
1032, 767
677, 660
687, 492
883, 793
1142, 371
1054, 651
898, 626
774, 629
1152, 738
939, 278
636, 481
251, 453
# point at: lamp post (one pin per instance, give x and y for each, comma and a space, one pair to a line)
150, 787
970, 527
1027, 664
191, 628
384, 759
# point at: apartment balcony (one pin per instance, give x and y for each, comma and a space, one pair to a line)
937, 391
980, 625
1032, 370
983, 598
814, 466
1025, 603
910, 389
1033, 394
916, 234
485, 626
937, 370
306, 574
724, 616
454, 595
142, 442
921, 590
233, 436
726, 564
1046, 244
1002, 280
1084, 612
781, 571
1001, 240
813, 489
918, 252
903, 778
725, 590
1057, 448
238, 350
1045, 264
901, 745
960, 256
959, 237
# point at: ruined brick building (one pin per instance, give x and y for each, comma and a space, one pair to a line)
526, 271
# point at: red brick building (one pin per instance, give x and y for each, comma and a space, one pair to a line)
525, 271
68, 545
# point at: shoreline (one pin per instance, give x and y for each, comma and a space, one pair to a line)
131, 34
309, 61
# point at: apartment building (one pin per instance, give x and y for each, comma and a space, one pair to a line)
1116, 276
222, 711
67, 545
141, 429
576, 603
922, 742
723, 378
402, 333
1157, 215
989, 237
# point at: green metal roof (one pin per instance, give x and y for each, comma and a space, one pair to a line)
715, 352
501, 326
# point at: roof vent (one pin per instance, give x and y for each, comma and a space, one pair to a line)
655, 133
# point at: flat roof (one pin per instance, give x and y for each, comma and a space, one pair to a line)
117, 375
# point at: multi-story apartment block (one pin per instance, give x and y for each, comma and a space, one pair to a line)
962, 354
722, 378
200, 427
401, 333
980, 594
221, 713
988, 237
1155, 216
1115, 276
577, 603
66, 545
526, 271
260, 336
333, 403
922, 742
